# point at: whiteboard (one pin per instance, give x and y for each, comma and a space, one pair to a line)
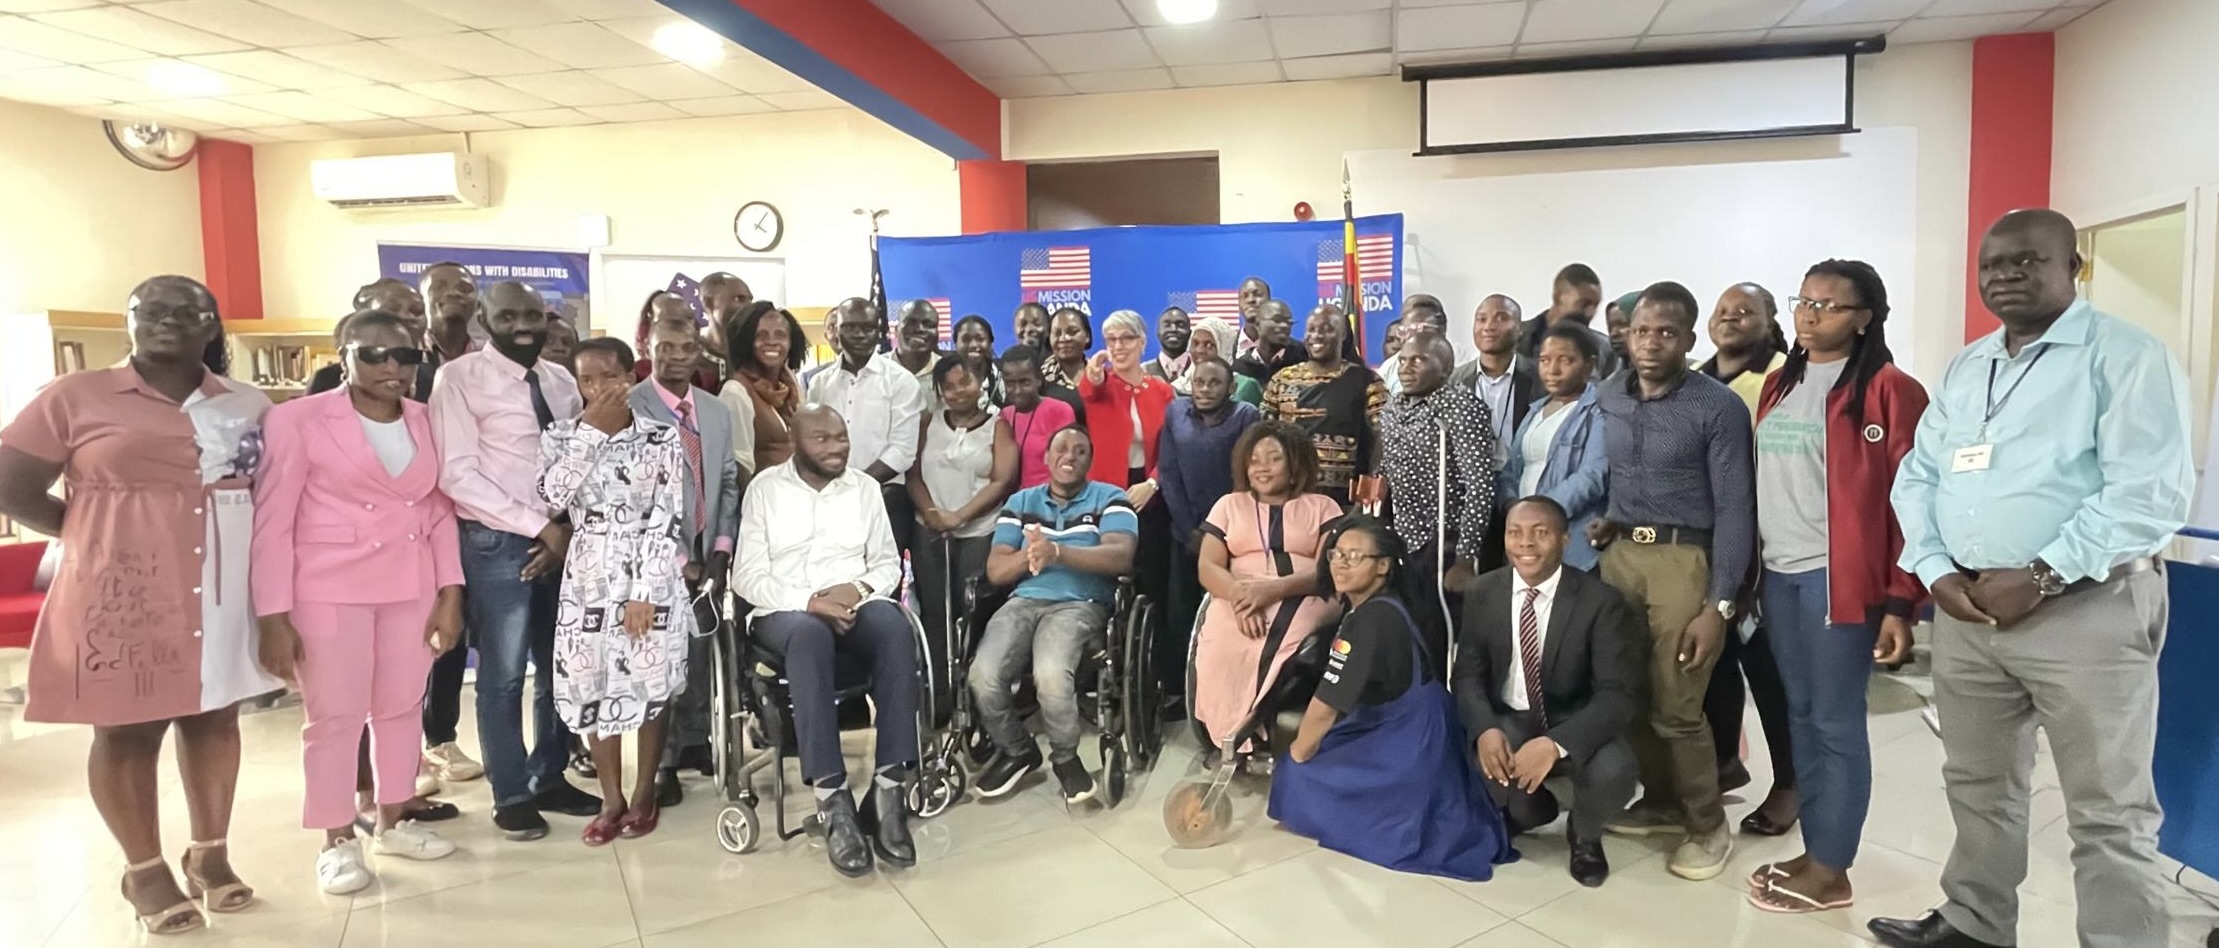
1708, 215
621, 283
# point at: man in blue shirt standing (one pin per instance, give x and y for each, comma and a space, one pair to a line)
2034, 510
1062, 545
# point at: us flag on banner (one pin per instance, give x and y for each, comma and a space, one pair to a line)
1049, 275
1375, 256
1223, 304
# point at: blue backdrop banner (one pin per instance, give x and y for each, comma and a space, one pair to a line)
1146, 269
560, 276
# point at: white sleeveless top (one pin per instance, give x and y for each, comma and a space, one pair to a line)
957, 464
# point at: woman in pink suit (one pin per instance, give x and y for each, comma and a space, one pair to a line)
357, 579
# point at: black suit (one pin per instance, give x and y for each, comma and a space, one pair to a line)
1590, 680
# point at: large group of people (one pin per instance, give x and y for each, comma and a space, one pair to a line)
1562, 558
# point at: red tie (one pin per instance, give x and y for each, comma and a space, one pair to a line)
1529, 648
692, 440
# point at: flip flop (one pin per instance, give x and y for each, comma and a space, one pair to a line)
1768, 872
1808, 905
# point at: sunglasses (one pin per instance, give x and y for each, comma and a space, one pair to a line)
379, 355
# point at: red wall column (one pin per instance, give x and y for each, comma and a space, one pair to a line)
993, 195
2014, 83
229, 239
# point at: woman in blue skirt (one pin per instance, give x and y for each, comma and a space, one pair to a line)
1381, 769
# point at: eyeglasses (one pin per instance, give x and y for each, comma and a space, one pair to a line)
379, 355
1352, 557
1826, 307
1121, 339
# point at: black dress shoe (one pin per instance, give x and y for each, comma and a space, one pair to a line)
1590, 867
669, 792
697, 757
1927, 931
567, 800
886, 818
1733, 776
843, 838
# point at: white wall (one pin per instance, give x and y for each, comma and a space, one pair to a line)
2137, 108
81, 225
669, 188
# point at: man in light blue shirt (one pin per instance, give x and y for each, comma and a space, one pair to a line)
2051, 469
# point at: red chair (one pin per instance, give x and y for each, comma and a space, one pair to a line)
19, 598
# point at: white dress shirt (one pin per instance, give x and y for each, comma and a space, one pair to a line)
1514, 688
795, 540
881, 404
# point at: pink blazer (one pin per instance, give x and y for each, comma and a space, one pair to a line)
330, 525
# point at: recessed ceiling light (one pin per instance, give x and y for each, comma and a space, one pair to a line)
183, 80
690, 43
1186, 11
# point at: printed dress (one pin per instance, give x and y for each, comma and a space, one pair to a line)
626, 497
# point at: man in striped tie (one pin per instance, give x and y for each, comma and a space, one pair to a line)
1546, 676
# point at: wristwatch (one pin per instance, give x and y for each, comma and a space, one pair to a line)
862, 589
2047, 581
1725, 609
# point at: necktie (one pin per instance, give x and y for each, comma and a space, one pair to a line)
1529, 649
691, 438
540, 410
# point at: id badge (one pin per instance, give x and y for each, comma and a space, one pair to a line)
1974, 458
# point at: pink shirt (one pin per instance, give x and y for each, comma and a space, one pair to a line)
691, 416
1031, 430
481, 412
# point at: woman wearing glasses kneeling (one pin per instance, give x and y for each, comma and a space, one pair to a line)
1381, 769
357, 580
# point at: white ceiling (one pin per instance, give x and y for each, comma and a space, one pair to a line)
306, 70
1021, 48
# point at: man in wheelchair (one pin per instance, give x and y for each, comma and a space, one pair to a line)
817, 560
1062, 545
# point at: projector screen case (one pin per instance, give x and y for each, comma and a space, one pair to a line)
1640, 98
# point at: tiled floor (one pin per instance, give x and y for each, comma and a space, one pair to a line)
1012, 873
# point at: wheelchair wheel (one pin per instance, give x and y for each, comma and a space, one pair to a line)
1113, 771
937, 788
1145, 725
1195, 817
978, 748
738, 829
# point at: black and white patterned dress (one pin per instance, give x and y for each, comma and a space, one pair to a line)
626, 497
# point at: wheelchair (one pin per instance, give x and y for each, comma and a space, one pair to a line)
752, 703
1116, 682
1278, 712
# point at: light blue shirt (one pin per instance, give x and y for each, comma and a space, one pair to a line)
2091, 459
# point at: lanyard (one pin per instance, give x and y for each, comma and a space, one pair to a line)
1995, 404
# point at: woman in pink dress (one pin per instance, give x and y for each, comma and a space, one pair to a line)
1260, 550
148, 625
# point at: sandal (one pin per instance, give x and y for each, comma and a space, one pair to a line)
1765, 875
175, 920
1804, 904
221, 898
602, 830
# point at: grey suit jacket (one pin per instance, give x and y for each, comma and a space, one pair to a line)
722, 484
1525, 386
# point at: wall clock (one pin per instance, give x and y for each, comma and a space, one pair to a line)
758, 226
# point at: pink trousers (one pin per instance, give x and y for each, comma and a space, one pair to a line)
360, 665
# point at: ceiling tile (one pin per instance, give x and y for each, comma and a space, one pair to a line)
1144, 12
549, 118
1940, 29
297, 133
633, 112
98, 82
495, 14
747, 72
1296, 37
1216, 41
1719, 16
1463, 27
391, 101
304, 107
572, 88
1040, 17
1022, 87
1574, 48
62, 95
608, 9
377, 61
478, 95
38, 39
10, 61
1429, 57
472, 122
723, 105
2057, 19
1561, 21
665, 82
811, 100
580, 46
1702, 40
381, 128
45, 6
133, 28
1101, 52
994, 58
1339, 67
939, 20
1982, 7
1830, 31
1226, 74
1126, 80
223, 113
1314, 7
142, 71
240, 135
1417, 4
248, 22
277, 69
475, 53
1816, 12
375, 20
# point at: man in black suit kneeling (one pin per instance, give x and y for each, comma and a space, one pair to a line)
1546, 677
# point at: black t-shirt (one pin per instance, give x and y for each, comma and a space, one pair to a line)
1369, 662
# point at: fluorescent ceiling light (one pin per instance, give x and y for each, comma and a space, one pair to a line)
1186, 11
690, 43
183, 80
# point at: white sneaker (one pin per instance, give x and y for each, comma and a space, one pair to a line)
339, 870
410, 841
427, 780
452, 764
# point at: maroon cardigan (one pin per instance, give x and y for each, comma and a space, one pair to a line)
1862, 456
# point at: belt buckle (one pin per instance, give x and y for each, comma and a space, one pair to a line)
1644, 535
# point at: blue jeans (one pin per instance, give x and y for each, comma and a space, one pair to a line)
1049, 640
1824, 667
511, 620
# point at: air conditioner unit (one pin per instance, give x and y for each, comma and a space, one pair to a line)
443, 179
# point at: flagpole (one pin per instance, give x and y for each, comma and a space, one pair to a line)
1352, 271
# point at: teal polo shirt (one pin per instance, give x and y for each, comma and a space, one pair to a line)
1099, 509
